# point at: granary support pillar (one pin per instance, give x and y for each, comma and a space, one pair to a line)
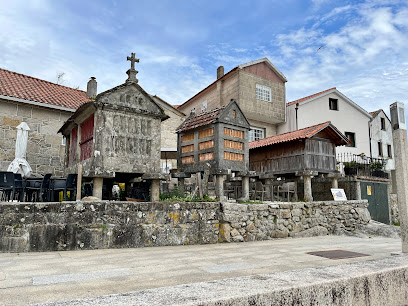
307, 183
399, 137
97, 187
334, 179
219, 186
245, 189
181, 176
181, 185
155, 190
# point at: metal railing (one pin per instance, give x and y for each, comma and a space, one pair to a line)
361, 165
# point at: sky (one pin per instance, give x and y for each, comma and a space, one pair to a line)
360, 47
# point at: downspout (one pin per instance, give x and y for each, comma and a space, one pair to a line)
369, 137
296, 110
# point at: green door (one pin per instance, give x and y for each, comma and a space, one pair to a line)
377, 196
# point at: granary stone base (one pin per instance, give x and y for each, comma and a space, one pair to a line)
29, 227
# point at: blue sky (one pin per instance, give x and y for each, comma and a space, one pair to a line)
364, 44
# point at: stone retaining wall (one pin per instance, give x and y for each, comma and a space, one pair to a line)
28, 227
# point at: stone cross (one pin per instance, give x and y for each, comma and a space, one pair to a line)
132, 60
132, 71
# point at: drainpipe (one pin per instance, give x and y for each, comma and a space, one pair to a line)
369, 137
296, 109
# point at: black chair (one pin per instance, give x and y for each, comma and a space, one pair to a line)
39, 189
7, 187
69, 184
19, 186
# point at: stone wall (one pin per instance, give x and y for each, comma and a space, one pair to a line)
45, 152
243, 222
28, 227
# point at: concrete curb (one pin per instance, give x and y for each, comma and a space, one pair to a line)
373, 282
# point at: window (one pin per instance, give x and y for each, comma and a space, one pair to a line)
351, 139
64, 141
204, 106
380, 150
333, 105
383, 124
256, 134
263, 93
389, 151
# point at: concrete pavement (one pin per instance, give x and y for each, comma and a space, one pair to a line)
28, 278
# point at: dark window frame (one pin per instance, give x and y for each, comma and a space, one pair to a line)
380, 149
389, 151
352, 139
382, 124
333, 104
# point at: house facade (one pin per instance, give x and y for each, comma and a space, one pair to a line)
331, 105
381, 138
259, 89
44, 106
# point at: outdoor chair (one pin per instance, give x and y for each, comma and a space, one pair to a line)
39, 190
69, 184
259, 190
7, 187
287, 189
19, 186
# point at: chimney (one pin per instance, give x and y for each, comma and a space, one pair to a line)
220, 72
91, 88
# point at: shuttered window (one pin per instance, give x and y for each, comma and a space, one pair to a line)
189, 148
233, 156
187, 137
233, 133
206, 145
206, 156
233, 144
187, 160
206, 133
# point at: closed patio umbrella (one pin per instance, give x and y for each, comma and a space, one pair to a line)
19, 164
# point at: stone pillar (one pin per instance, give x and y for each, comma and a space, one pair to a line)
358, 190
307, 183
307, 188
219, 187
97, 187
181, 185
399, 137
245, 189
334, 179
155, 190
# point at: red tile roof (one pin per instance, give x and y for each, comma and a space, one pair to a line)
176, 106
298, 134
309, 97
375, 112
16, 85
202, 119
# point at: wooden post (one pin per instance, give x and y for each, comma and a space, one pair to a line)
200, 187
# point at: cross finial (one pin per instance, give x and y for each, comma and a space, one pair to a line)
132, 71
133, 60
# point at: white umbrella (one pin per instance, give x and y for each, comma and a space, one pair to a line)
19, 164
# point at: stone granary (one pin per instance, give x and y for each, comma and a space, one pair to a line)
116, 136
218, 140
306, 153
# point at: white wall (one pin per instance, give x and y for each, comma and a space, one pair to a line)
347, 119
385, 136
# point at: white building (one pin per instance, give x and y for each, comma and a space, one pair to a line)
331, 105
381, 138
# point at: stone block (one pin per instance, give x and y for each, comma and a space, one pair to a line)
225, 233
11, 121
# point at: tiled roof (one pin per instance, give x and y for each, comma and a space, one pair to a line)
20, 86
176, 106
296, 135
309, 97
374, 113
201, 119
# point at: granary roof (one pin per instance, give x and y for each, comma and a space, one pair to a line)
305, 133
195, 121
23, 88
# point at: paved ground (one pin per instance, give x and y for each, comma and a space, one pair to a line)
28, 278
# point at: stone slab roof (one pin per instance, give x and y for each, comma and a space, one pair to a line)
24, 87
301, 134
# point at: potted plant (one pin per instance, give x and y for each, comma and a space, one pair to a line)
350, 168
377, 169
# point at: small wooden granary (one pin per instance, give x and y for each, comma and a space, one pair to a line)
309, 149
218, 137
